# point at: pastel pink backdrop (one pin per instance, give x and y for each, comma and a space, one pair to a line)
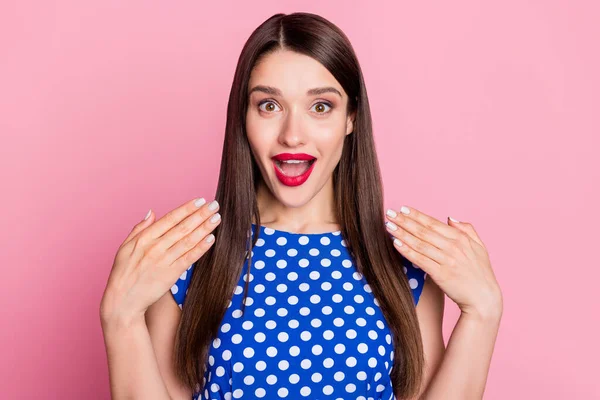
484, 112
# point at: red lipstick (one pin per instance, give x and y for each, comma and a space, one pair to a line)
293, 180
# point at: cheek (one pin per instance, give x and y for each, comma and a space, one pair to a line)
330, 138
257, 125
331, 129
260, 139
330, 145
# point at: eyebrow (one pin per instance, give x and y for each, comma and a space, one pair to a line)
273, 91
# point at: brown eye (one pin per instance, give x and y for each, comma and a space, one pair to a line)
270, 106
320, 108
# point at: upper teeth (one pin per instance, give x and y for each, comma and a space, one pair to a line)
294, 161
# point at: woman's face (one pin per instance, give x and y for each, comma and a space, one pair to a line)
286, 115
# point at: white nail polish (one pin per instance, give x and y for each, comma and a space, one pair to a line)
391, 213
391, 225
213, 205
397, 242
210, 238
199, 202
148, 215
453, 220
215, 218
404, 210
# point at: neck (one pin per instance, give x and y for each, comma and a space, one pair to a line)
315, 215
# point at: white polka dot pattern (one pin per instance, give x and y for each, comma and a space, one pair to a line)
312, 327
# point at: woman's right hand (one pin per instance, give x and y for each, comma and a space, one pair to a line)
153, 257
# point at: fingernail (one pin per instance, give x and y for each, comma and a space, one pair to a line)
199, 202
391, 225
453, 220
404, 210
210, 238
148, 215
391, 213
213, 205
215, 218
397, 242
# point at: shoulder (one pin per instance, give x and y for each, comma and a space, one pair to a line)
416, 278
180, 288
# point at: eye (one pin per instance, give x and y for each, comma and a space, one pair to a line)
271, 104
321, 104
269, 109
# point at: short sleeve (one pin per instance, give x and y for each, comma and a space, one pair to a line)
180, 288
416, 278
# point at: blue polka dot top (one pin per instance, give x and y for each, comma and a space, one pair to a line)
312, 328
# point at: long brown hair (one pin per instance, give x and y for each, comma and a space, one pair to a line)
358, 195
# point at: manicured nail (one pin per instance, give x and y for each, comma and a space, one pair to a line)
391, 213
148, 215
199, 202
453, 220
404, 210
215, 218
210, 238
213, 205
391, 225
397, 242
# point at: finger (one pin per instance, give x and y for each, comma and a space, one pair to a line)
421, 246
185, 260
185, 227
409, 213
173, 217
140, 226
189, 241
466, 228
425, 263
424, 232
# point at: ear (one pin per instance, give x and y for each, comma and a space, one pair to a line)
350, 123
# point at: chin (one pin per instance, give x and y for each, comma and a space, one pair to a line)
293, 197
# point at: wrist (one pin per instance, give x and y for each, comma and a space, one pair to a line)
122, 322
488, 316
488, 309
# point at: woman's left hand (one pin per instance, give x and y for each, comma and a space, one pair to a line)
452, 255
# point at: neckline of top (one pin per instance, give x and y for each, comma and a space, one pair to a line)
270, 231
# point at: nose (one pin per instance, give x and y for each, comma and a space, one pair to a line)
292, 131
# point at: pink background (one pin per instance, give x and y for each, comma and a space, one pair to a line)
484, 112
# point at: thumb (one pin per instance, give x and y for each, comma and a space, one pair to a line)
466, 228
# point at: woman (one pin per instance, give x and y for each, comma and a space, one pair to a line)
300, 292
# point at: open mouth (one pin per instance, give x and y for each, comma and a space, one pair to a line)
294, 168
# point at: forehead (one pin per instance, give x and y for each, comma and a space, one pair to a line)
293, 73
